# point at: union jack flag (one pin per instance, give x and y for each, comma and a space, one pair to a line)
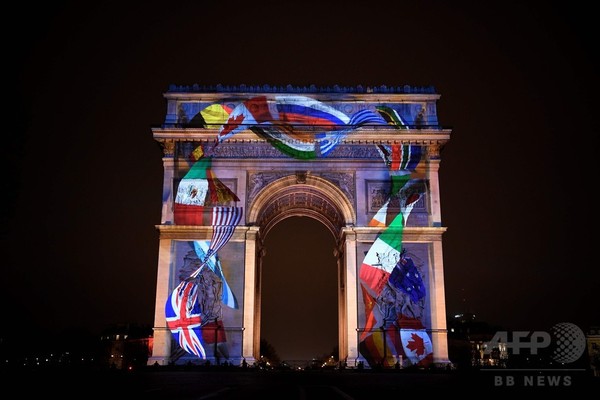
183, 318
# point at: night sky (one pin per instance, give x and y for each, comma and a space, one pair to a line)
82, 175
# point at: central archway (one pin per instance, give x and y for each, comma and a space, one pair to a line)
299, 291
303, 195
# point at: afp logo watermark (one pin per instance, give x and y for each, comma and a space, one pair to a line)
565, 343
565, 340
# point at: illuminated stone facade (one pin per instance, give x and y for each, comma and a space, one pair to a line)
343, 190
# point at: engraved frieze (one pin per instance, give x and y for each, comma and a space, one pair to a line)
167, 146
342, 180
433, 151
302, 200
258, 180
264, 150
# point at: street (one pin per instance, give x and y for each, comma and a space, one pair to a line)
236, 383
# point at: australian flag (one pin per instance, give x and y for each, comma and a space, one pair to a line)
183, 318
407, 278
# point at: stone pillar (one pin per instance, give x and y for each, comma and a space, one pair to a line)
439, 332
168, 195
161, 348
338, 253
251, 333
351, 300
434, 186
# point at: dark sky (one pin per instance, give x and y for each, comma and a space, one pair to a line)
82, 175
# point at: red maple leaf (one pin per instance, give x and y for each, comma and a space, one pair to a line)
416, 344
232, 124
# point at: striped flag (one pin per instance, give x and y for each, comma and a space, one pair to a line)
321, 127
391, 117
302, 110
224, 221
250, 113
202, 199
199, 192
380, 219
370, 304
405, 200
386, 262
383, 256
377, 266
201, 248
382, 346
212, 116
400, 157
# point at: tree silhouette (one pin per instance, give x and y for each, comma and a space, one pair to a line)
268, 352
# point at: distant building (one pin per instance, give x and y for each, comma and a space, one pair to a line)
126, 346
593, 346
468, 338
482, 356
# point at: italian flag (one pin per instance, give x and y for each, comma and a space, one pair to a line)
382, 257
384, 254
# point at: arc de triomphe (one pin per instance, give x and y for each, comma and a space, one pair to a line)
362, 161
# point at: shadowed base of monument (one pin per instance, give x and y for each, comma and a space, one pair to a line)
234, 383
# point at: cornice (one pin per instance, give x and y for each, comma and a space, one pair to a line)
413, 234
360, 136
196, 232
324, 97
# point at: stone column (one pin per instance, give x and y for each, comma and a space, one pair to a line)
350, 284
439, 333
168, 196
161, 348
168, 148
433, 167
251, 333
338, 253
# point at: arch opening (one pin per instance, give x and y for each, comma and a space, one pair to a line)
290, 196
299, 291
278, 211
277, 208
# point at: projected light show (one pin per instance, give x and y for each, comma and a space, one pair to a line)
206, 308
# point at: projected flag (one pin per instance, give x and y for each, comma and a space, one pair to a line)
183, 318
199, 193
417, 346
201, 248
304, 128
387, 265
212, 116
202, 199
298, 126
